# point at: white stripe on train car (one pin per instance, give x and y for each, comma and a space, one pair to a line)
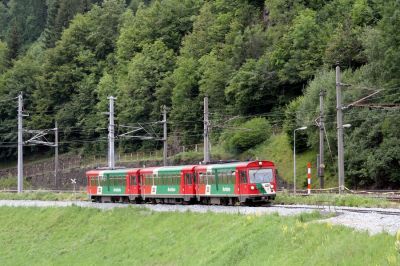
209, 168
155, 170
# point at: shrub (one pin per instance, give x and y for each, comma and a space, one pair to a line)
246, 135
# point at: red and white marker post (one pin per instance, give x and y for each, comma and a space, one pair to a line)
308, 178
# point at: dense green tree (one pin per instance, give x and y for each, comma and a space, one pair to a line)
4, 18
59, 15
27, 21
345, 47
3, 57
299, 54
156, 21
76, 64
138, 90
250, 57
25, 77
254, 87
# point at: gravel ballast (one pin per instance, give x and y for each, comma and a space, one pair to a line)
373, 220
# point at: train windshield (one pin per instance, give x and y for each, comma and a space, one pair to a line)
260, 175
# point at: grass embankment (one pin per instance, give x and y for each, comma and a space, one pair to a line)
278, 150
134, 236
336, 200
43, 196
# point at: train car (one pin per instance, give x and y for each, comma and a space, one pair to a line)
236, 182
112, 185
170, 184
92, 178
230, 183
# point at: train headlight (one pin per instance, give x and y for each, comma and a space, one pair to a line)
252, 187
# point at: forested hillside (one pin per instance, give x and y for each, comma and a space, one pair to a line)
266, 60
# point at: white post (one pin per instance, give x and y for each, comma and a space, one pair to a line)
165, 150
206, 124
308, 178
111, 137
55, 154
20, 146
339, 130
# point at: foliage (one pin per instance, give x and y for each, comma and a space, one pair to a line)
3, 57
244, 136
11, 183
251, 58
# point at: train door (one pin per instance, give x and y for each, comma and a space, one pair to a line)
189, 181
139, 183
243, 181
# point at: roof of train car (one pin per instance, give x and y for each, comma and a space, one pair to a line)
180, 167
230, 165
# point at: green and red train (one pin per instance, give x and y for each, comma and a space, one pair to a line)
228, 183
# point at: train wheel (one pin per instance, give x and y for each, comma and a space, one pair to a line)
234, 201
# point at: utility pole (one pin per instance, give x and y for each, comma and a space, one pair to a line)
20, 146
55, 153
111, 137
340, 130
206, 131
321, 164
165, 150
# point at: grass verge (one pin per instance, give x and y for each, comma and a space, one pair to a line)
43, 196
336, 200
135, 236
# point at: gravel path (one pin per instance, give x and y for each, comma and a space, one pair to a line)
373, 220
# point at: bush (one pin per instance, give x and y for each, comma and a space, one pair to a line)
12, 183
244, 136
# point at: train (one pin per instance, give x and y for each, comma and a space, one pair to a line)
233, 183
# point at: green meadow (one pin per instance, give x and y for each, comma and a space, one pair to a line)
137, 236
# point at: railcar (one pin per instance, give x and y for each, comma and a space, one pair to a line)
230, 183
119, 185
163, 184
245, 182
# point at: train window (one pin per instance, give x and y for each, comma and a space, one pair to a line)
177, 179
222, 178
133, 180
93, 181
243, 177
262, 175
232, 177
211, 178
188, 179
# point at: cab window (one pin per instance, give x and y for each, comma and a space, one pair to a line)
93, 181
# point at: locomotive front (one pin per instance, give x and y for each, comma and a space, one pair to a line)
262, 181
